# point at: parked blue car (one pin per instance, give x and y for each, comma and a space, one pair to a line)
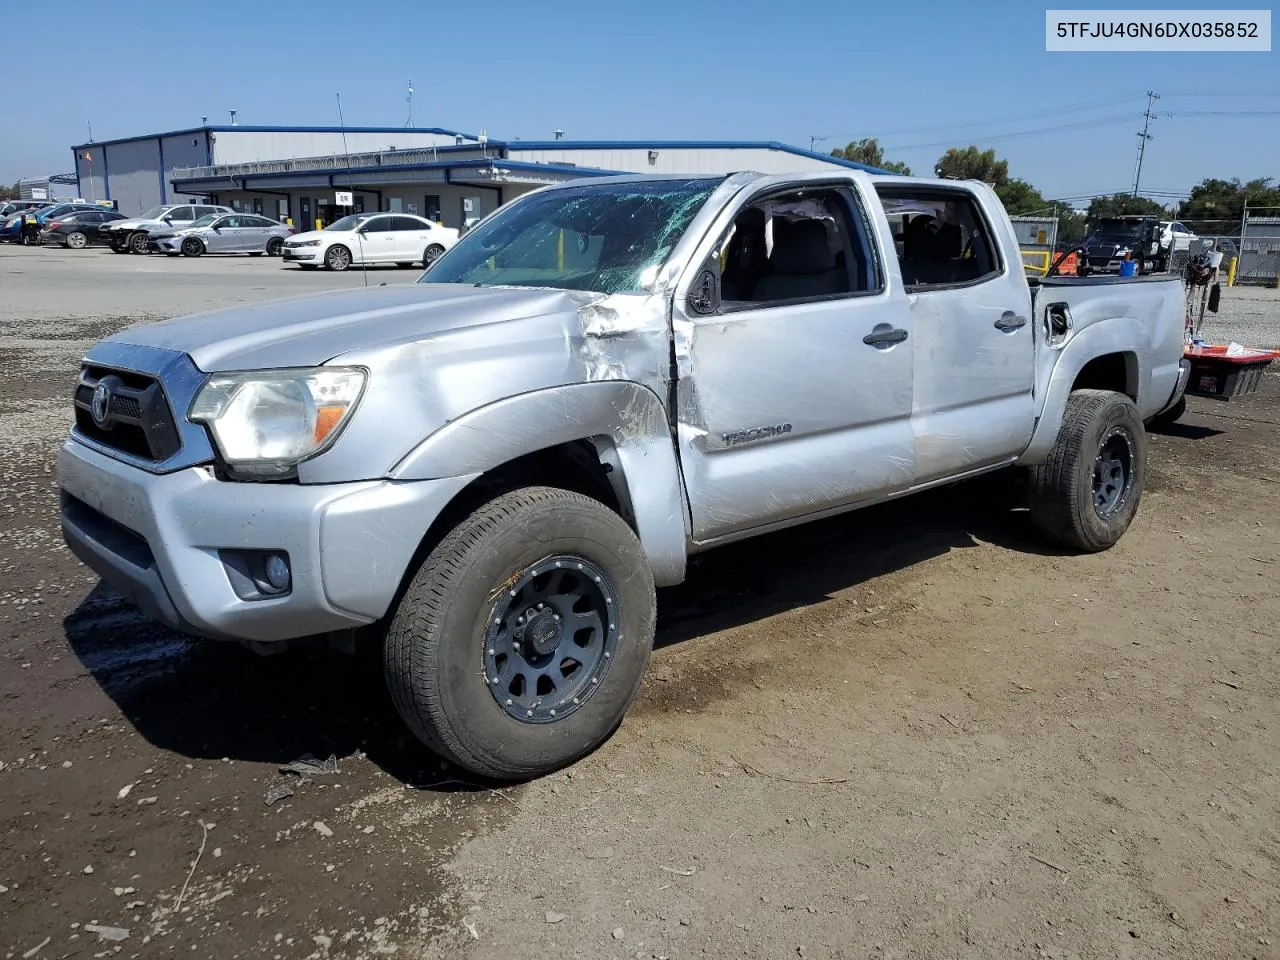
11, 226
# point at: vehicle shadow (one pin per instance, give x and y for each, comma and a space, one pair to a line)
1184, 431
206, 699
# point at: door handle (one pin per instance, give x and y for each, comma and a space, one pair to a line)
884, 338
1010, 321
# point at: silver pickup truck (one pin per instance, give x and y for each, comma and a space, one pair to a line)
489, 471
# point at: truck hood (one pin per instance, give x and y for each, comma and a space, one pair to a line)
313, 329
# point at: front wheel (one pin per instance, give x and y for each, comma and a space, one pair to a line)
1086, 493
191, 247
524, 636
138, 242
338, 258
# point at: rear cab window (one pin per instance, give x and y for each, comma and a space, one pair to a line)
941, 235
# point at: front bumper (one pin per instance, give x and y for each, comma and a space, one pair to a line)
162, 540
300, 254
165, 244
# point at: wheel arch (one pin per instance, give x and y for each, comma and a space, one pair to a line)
607, 439
1105, 355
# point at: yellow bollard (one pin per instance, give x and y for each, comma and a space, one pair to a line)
1231, 272
319, 224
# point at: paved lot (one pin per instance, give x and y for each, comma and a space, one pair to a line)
910, 732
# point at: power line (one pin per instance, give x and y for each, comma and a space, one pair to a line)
1059, 128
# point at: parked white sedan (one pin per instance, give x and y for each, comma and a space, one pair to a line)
369, 238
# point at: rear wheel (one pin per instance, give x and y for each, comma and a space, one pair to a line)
337, 258
192, 247
431, 254
275, 246
77, 240
1086, 493
524, 635
138, 242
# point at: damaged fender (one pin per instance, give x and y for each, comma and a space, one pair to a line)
625, 421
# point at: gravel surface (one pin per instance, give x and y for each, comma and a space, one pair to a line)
911, 732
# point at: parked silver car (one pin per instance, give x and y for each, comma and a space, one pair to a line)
225, 233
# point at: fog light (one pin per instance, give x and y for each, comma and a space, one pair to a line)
276, 569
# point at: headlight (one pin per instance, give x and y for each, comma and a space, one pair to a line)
303, 243
266, 423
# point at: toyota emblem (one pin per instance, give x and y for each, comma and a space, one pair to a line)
101, 404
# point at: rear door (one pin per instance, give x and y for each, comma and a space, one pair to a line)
795, 393
255, 230
973, 403
411, 239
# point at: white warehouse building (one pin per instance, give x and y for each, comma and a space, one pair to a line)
310, 175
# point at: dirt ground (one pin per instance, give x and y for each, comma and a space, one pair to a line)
910, 732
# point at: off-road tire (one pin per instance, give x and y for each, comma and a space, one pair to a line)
433, 653
1061, 494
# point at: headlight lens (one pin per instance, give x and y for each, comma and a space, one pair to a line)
266, 423
304, 243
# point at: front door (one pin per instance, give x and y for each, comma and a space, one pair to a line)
376, 241
305, 221
223, 235
970, 311
795, 396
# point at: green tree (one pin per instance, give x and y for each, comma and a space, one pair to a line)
1020, 197
1213, 199
868, 151
10, 193
970, 163
1071, 226
1122, 205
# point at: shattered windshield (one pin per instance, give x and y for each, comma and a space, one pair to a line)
601, 237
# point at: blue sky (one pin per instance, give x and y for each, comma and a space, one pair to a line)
920, 76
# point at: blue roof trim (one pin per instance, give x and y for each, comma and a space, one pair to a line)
247, 128
687, 145
477, 163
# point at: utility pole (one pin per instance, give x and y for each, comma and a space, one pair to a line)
1143, 137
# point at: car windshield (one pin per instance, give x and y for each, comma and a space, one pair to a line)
1120, 229
155, 213
602, 237
206, 220
348, 223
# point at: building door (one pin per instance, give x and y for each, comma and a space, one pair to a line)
471, 211
257, 205
431, 207
305, 222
